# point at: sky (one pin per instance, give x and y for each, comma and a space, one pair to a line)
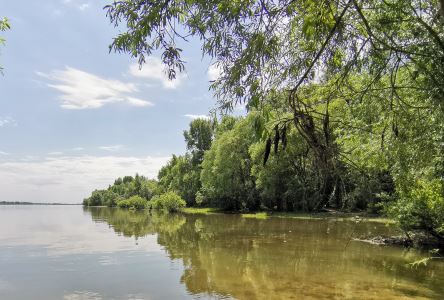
73, 116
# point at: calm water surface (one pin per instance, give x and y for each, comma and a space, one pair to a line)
67, 252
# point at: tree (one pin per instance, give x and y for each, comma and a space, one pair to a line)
4, 25
182, 173
421, 208
361, 84
225, 176
266, 47
123, 189
181, 177
198, 139
287, 181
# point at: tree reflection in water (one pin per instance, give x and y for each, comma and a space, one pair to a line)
277, 258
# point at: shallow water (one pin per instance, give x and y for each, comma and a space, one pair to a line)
67, 252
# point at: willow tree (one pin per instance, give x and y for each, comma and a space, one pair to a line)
269, 47
4, 25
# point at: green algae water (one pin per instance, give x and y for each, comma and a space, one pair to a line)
68, 252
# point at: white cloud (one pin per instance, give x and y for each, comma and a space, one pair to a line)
154, 70
77, 149
112, 148
55, 153
4, 153
82, 90
83, 6
63, 231
214, 72
138, 102
193, 117
7, 121
68, 179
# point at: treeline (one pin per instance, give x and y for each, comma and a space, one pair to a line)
347, 156
341, 154
136, 192
262, 161
230, 165
122, 189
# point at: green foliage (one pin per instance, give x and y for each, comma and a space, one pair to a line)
169, 201
4, 25
137, 223
123, 188
95, 199
267, 45
226, 169
198, 139
102, 198
421, 207
200, 198
182, 173
286, 182
180, 176
357, 87
134, 202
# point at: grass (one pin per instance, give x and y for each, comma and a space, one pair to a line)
340, 216
200, 210
258, 215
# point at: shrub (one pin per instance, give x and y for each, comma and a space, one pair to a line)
95, 199
200, 198
421, 208
168, 201
134, 202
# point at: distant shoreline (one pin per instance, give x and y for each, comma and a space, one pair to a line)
35, 203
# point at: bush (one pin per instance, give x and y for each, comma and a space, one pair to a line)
168, 201
421, 208
134, 202
200, 198
123, 188
95, 199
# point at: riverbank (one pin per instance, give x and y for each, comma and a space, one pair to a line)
418, 240
331, 214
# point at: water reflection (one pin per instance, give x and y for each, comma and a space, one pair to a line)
62, 230
53, 253
136, 224
230, 256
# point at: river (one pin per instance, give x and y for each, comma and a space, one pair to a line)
71, 252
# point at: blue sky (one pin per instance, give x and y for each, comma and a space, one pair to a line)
74, 116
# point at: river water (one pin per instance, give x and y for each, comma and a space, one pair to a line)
70, 252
